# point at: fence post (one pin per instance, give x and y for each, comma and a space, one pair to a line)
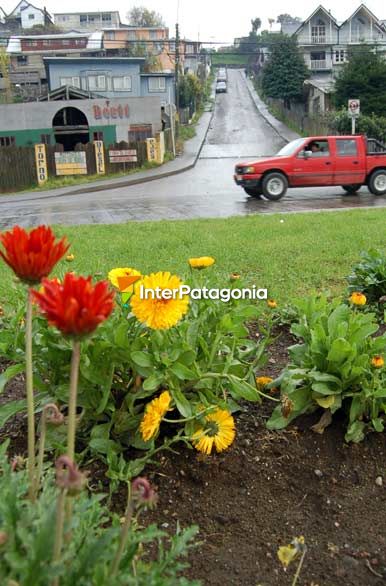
41, 163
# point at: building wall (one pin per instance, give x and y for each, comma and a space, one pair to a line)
84, 71
31, 16
355, 31
166, 96
28, 121
305, 36
90, 21
119, 39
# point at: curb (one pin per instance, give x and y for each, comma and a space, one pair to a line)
260, 110
127, 183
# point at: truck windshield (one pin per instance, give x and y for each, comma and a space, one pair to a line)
290, 148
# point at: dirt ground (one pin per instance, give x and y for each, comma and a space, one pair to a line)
268, 488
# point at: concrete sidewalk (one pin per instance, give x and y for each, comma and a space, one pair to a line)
187, 160
282, 130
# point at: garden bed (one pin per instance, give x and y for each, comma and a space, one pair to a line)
268, 488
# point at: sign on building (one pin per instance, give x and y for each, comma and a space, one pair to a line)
41, 163
73, 163
99, 157
151, 148
123, 156
354, 107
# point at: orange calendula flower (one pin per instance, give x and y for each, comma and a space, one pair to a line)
152, 308
377, 361
358, 298
201, 262
76, 306
272, 303
70, 257
154, 412
263, 381
32, 255
218, 431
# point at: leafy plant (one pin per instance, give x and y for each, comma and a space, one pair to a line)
26, 541
333, 367
369, 277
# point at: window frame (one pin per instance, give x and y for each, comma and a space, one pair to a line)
159, 88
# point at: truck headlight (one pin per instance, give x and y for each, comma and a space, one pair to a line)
249, 170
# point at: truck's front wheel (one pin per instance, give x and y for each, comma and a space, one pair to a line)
377, 182
274, 185
253, 192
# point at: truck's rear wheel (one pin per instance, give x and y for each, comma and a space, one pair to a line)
274, 185
377, 182
350, 189
253, 192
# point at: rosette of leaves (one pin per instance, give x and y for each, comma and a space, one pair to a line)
331, 368
368, 276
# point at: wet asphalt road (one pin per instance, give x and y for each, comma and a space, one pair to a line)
237, 132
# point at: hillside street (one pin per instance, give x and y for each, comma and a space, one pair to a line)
237, 132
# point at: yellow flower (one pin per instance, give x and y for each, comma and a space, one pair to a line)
121, 272
357, 298
288, 553
326, 402
70, 257
272, 303
218, 430
201, 262
154, 310
262, 381
377, 361
155, 411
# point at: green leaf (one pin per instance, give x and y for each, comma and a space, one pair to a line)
182, 372
302, 401
10, 373
181, 402
355, 432
340, 350
356, 408
153, 382
10, 409
142, 359
378, 424
239, 389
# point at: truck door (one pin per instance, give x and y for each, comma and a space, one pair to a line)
349, 163
314, 164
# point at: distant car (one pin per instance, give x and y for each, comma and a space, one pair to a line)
221, 87
221, 75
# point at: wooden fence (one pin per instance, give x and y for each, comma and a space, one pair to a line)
18, 168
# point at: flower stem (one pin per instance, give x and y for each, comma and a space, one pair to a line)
59, 531
75, 359
124, 533
297, 573
42, 443
30, 398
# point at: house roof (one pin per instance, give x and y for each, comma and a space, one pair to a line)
68, 93
94, 40
324, 83
88, 12
326, 12
157, 74
363, 7
99, 60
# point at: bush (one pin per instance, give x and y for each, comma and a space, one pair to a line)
369, 277
372, 126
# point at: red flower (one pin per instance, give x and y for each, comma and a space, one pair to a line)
32, 255
76, 306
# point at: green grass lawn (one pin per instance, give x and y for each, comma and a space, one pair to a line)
288, 254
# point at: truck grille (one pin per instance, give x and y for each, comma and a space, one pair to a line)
239, 169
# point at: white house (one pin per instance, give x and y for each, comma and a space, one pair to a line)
28, 15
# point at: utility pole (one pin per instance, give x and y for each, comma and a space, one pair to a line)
177, 64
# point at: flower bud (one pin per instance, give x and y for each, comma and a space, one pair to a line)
68, 476
18, 463
143, 491
53, 415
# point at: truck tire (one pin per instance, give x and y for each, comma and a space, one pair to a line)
377, 182
351, 189
274, 185
253, 192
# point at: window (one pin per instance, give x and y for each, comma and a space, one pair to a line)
83, 18
45, 138
31, 17
66, 42
31, 43
157, 84
317, 148
318, 32
340, 56
131, 36
346, 147
110, 36
96, 82
22, 60
7, 141
122, 84
153, 35
97, 135
74, 81
106, 17
139, 132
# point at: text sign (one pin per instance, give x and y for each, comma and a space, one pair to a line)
123, 156
354, 107
99, 157
151, 148
71, 163
41, 163
108, 112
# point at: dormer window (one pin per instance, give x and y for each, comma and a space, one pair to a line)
318, 31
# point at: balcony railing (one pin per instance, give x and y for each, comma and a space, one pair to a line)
317, 64
318, 39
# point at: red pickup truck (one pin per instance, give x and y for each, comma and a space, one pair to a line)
349, 161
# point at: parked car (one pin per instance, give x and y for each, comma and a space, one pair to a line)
221, 87
315, 162
222, 75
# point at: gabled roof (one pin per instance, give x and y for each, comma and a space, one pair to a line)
319, 8
68, 93
363, 7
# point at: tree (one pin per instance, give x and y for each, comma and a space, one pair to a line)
190, 90
287, 18
285, 72
364, 78
141, 16
256, 24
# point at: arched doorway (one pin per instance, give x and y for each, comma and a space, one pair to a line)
70, 127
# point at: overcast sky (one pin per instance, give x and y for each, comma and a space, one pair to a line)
212, 20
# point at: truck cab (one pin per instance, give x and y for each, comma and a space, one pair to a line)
316, 161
